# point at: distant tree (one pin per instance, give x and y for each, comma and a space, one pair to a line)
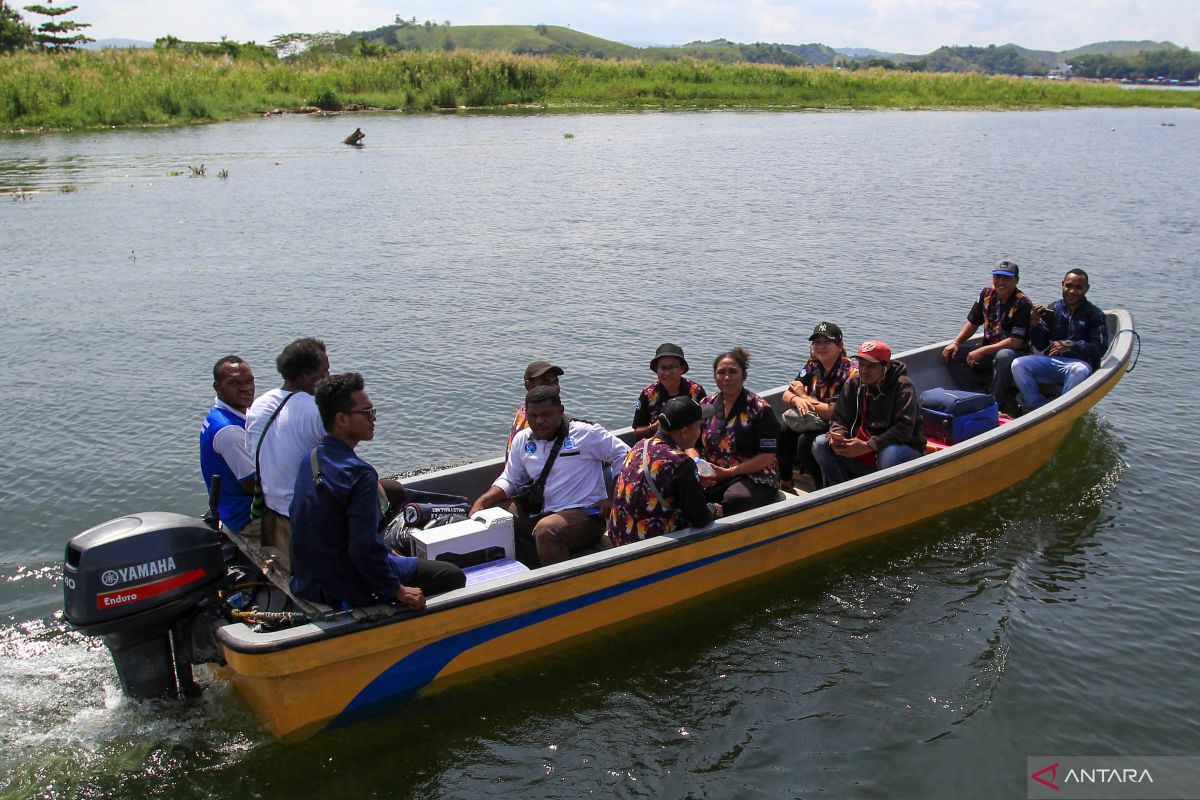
58, 35
369, 49
428, 25
447, 23
14, 33
542, 30
1179, 64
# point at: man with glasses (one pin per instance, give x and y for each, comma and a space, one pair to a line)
338, 556
1071, 336
1005, 312
538, 373
876, 420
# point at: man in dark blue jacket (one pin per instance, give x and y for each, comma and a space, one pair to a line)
338, 556
1072, 336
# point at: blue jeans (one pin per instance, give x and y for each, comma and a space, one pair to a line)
1029, 371
837, 469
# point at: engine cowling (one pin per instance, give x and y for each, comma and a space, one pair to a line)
134, 581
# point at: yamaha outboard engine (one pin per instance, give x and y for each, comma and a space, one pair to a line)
139, 582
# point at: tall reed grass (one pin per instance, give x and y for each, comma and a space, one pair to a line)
136, 87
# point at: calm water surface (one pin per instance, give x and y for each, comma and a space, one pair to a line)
1058, 617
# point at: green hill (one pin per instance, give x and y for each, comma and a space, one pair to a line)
520, 39
1118, 48
543, 40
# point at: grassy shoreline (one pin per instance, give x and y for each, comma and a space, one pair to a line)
152, 87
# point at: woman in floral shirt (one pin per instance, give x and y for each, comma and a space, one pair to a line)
739, 441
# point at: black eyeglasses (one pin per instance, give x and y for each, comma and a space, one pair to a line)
369, 412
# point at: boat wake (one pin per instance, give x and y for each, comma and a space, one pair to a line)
69, 731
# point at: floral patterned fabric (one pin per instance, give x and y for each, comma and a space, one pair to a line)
751, 428
519, 424
636, 512
1001, 320
826, 387
652, 399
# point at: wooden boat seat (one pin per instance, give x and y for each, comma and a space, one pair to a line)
274, 566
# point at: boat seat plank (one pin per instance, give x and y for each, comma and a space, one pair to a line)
274, 566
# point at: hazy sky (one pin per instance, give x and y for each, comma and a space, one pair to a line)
910, 26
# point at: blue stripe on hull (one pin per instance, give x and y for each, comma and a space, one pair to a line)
401, 681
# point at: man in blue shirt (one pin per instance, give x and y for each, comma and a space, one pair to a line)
223, 450
338, 556
1073, 335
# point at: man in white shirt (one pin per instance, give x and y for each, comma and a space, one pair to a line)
292, 428
575, 498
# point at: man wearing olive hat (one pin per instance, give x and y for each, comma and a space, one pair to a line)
1005, 313
876, 420
669, 365
538, 373
657, 490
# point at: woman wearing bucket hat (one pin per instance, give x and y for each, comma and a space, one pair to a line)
810, 399
669, 365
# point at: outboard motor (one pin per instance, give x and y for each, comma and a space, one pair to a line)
140, 582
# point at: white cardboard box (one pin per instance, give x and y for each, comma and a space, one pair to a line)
491, 527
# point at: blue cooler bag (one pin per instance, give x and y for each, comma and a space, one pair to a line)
951, 415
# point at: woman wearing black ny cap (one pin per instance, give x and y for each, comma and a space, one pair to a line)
669, 365
810, 399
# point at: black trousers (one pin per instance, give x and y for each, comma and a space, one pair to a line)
795, 450
740, 494
435, 577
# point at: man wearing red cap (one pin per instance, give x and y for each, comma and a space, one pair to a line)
876, 421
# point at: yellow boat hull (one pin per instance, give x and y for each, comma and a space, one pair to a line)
300, 688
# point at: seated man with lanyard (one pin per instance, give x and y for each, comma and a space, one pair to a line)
658, 490
338, 557
563, 461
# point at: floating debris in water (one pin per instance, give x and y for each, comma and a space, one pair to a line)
355, 139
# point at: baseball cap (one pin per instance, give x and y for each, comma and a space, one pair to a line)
874, 350
679, 412
828, 330
1006, 267
537, 369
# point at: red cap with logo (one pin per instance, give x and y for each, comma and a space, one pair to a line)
873, 350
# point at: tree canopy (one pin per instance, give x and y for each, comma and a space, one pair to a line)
56, 34
1180, 64
14, 33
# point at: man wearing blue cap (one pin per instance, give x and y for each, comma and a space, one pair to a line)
1005, 313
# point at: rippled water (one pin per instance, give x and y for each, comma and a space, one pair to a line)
1057, 617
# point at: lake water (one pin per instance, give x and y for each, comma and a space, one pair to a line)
1057, 617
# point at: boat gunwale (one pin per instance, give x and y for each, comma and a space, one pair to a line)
240, 639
